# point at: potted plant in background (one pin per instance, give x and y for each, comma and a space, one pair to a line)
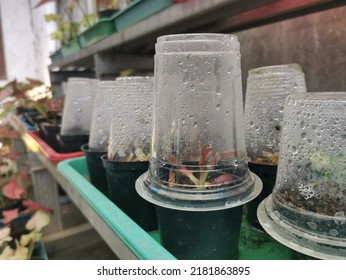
21, 219
198, 176
306, 210
68, 29
267, 88
129, 146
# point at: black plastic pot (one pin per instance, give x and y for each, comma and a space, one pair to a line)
200, 235
121, 177
71, 143
267, 174
96, 169
48, 132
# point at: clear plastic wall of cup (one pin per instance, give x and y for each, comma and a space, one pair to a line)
198, 156
102, 113
307, 210
131, 122
78, 106
267, 89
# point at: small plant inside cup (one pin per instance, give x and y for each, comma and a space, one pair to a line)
200, 172
321, 183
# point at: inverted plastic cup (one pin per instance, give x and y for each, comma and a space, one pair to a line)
307, 210
131, 123
78, 105
104, 103
198, 156
267, 89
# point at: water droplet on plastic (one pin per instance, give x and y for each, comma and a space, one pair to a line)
218, 107
339, 218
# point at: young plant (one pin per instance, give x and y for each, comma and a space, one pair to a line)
68, 28
16, 242
203, 176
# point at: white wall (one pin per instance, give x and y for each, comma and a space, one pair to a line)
26, 40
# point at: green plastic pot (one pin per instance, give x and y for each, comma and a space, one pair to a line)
103, 28
71, 47
121, 177
139, 10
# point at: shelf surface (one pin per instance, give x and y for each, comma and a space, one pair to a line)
193, 16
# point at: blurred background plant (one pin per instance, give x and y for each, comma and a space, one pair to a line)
68, 28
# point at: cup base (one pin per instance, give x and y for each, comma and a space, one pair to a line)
297, 238
200, 200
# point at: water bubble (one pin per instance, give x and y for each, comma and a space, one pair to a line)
180, 62
218, 106
303, 135
294, 149
333, 232
312, 225
195, 124
218, 93
192, 88
339, 218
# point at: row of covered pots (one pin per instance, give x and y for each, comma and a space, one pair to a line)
180, 142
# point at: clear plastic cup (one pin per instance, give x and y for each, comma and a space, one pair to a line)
307, 210
78, 106
131, 122
198, 156
267, 89
104, 103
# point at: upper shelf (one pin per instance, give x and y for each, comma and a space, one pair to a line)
194, 16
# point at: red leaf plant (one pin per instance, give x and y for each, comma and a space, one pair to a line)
206, 162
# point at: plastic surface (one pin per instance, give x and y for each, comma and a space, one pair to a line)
267, 89
131, 122
78, 105
139, 10
104, 103
307, 208
198, 156
103, 28
254, 244
52, 155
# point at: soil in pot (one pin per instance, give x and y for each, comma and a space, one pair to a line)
200, 235
121, 177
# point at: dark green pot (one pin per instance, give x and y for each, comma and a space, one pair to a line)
121, 177
200, 235
267, 173
96, 169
